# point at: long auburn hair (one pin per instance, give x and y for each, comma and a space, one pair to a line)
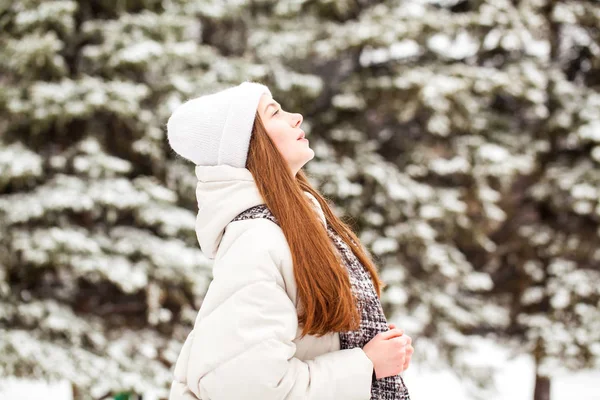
327, 303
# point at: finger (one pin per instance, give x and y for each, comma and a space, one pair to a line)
401, 341
392, 333
392, 326
406, 362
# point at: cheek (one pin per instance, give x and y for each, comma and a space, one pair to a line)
281, 137
287, 146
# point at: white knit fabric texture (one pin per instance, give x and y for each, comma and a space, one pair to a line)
215, 129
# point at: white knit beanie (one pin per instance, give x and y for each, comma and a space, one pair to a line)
215, 129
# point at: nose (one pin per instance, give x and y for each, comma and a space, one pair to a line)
298, 119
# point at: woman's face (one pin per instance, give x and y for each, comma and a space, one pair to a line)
284, 130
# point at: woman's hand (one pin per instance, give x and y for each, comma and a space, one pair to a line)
409, 349
390, 352
387, 352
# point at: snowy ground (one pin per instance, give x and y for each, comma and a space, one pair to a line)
19, 389
514, 381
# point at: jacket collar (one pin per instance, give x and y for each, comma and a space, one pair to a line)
222, 192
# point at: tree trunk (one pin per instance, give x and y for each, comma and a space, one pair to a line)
542, 388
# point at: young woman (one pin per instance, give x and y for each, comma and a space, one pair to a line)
293, 309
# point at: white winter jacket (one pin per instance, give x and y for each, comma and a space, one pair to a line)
245, 342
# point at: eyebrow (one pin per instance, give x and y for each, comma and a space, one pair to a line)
269, 105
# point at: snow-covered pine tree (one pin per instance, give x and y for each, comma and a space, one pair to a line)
432, 128
101, 276
489, 114
100, 271
549, 261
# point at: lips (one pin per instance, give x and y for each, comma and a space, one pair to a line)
301, 135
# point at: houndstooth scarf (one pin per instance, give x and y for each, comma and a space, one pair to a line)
373, 319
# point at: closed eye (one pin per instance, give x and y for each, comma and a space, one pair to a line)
275, 112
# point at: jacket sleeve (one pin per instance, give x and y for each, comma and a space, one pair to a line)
243, 341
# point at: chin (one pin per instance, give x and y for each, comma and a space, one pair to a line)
309, 157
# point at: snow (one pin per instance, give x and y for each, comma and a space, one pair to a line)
80, 210
590, 131
400, 50
513, 379
464, 45
404, 49
478, 281
25, 389
384, 245
532, 295
493, 153
450, 166
396, 295
430, 211
17, 161
141, 52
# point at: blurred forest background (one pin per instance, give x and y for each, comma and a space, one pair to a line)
461, 139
